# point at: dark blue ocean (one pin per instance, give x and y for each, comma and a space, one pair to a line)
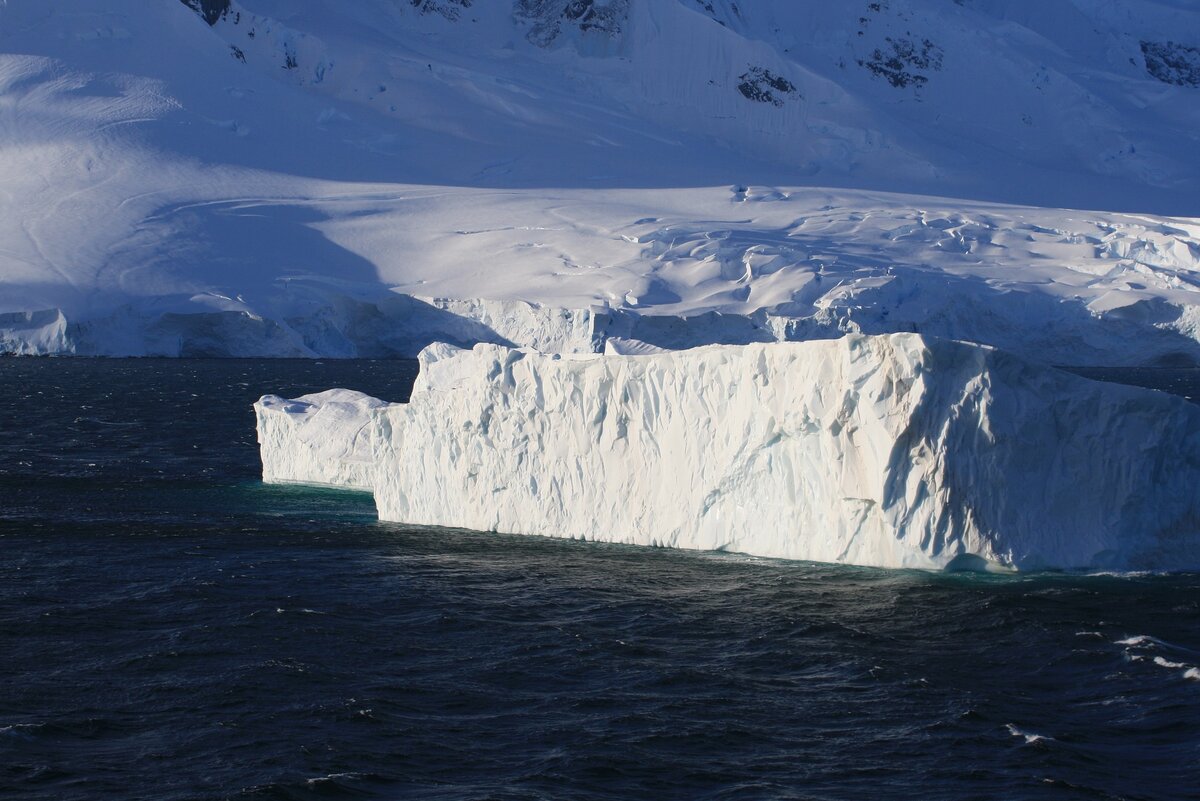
170, 628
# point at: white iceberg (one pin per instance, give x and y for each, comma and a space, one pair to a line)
323, 439
889, 451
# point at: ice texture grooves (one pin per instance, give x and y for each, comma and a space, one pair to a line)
890, 451
319, 439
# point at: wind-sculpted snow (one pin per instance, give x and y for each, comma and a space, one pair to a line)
893, 451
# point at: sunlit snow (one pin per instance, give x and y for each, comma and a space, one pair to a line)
305, 178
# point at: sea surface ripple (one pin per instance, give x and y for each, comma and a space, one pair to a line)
173, 629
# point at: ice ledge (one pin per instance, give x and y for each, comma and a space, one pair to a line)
323, 439
889, 451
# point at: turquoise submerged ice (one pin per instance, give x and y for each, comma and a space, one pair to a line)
888, 451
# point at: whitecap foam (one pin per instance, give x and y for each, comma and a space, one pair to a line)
1030, 738
1158, 660
1124, 573
332, 777
1142, 640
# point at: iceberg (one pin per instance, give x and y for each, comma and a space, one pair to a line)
323, 439
895, 450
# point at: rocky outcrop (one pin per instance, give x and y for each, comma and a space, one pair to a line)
210, 10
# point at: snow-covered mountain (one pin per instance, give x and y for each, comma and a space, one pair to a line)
299, 177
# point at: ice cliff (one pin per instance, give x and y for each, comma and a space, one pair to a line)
891, 451
323, 439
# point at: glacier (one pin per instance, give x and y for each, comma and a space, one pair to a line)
299, 178
896, 450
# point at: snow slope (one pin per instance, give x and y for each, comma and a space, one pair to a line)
327, 178
892, 451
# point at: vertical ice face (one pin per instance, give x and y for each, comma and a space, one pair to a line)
892, 451
320, 439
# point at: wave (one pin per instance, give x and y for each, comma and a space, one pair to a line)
1030, 737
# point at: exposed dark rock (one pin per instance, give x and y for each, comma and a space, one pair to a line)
764, 86
719, 16
210, 10
1172, 63
450, 9
899, 61
549, 18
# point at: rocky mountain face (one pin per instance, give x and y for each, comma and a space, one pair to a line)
548, 18
1171, 62
901, 59
843, 89
210, 10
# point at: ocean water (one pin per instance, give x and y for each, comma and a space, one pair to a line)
170, 628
